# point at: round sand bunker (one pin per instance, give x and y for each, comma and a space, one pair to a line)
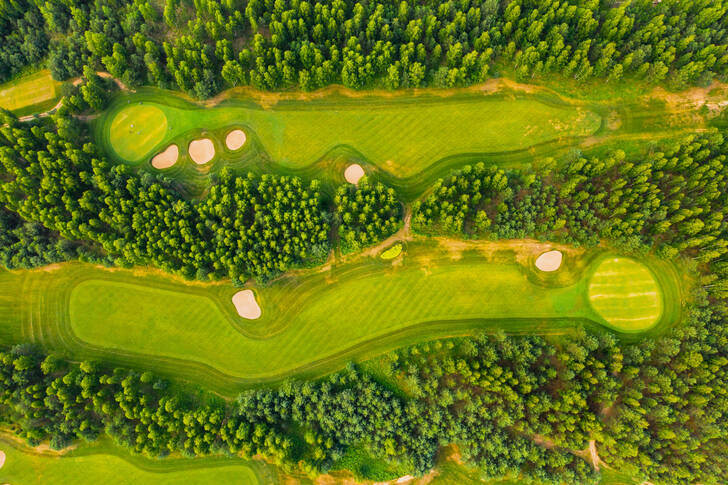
246, 305
235, 139
201, 151
353, 173
549, 261
167, 158
2, 458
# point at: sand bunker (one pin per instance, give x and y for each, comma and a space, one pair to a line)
353, 173
2, 458
202, 150
549, 261
246, 305
167, 158
235, 139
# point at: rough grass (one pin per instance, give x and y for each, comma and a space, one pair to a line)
37, 90
103, 463
311, 322
625, 293
401, 135
136, 130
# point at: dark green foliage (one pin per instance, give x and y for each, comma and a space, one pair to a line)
207, 46
672, 199
246, 226
366, 214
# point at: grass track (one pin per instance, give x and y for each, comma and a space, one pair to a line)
102, 462
311, 323
28, 94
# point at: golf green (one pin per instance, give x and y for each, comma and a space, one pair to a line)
136, 130
624, 292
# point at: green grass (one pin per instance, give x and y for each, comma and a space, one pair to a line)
624, 292
102, 462
33, 93
392, 252
311, 322
401, 135
136, 130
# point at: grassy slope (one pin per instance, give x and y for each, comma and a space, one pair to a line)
28, 94
310, 321
105, 463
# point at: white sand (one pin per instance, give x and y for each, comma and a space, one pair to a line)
549, 261
235, 139
246, 305
2, 458
353, 173
167, 158
201, 151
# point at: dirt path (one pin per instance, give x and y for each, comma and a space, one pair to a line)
403, 234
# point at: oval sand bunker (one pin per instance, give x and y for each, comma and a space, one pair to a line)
167, 158
2, 458
353, 173
201, 151
246, 305
235, 139
549, 261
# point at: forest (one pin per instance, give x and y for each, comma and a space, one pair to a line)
205, 46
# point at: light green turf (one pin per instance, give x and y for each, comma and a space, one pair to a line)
137, 129
105, 464
29, 91
401, 135
624, 292
309, 321
392, 252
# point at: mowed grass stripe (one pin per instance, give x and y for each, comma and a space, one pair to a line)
412, 132
27, 91
624, 292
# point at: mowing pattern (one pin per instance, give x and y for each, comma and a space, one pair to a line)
626, 294
136, 130
404, 135
28, 91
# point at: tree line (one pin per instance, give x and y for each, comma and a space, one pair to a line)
204, 46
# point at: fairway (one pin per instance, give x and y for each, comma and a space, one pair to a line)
137, 130
29, 91
99, 464
402, 135
307, 321
625, 293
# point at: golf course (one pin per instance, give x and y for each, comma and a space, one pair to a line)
316, 321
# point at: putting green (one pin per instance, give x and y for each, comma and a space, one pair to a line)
102, 463
311, 321
136, 130
402, 135
624, 292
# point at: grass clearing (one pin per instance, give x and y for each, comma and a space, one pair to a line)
136, 130
102, 462
33, 92
401, 135
624, 292
310, 322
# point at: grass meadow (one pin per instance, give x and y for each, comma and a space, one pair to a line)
29, 94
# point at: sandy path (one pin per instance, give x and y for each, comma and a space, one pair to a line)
549, 261
201, 151
167, 158
235, 139
596, 461
246, 305
353, 173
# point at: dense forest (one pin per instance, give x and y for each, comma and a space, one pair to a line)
204, 46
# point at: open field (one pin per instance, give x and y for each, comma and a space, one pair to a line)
311, 320
34, 93
104, 463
